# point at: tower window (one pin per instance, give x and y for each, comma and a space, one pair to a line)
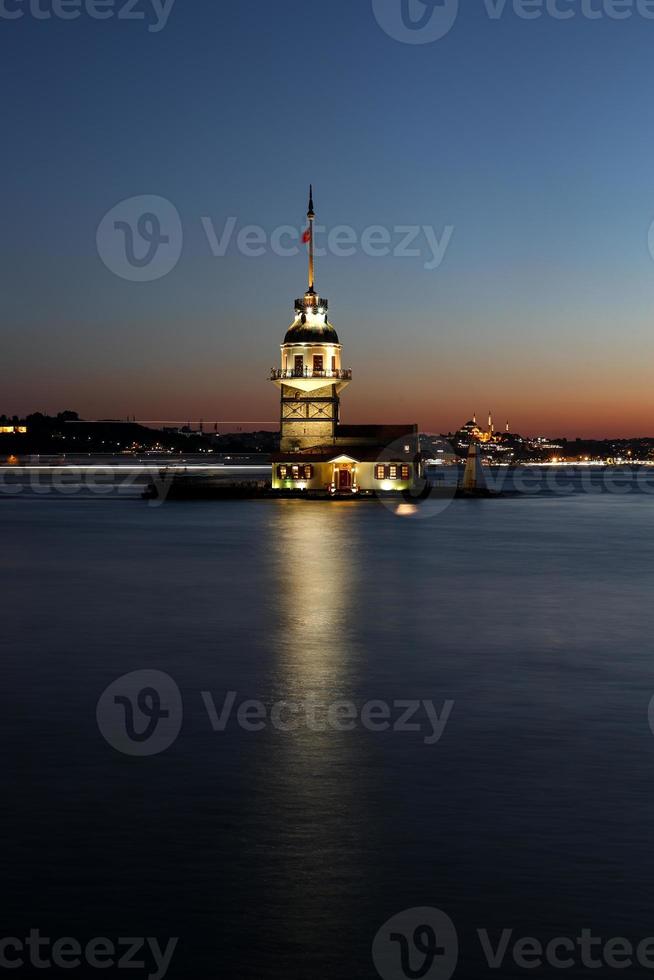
299, 364
318, 364
333, 365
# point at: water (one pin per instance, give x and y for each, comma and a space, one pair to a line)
280, 854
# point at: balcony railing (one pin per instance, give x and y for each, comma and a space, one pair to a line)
280, 375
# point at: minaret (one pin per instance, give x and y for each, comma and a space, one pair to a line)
311, 377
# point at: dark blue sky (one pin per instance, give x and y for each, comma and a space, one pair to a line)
532, 139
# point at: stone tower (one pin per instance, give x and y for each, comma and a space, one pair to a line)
310, 377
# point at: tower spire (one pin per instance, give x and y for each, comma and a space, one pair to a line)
311, 215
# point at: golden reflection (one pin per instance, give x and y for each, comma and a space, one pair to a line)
407, 510
318, 569
310, 776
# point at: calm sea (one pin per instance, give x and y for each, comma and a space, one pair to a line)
526, 623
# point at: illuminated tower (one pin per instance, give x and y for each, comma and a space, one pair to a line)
310, 377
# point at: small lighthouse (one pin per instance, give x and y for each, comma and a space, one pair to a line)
473, 477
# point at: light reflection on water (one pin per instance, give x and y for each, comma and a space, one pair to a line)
317, 566
280, 854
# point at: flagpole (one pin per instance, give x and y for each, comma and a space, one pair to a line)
311, 216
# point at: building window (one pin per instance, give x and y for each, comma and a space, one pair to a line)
333, 365
304, 472
299, 364
318, 364
392, 472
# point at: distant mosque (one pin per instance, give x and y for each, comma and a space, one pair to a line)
471, 431
317, 453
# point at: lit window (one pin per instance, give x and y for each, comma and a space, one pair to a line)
308, 472
380, 472
392, 472
295, 470
282, 472
405, 472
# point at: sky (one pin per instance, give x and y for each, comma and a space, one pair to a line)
513, 157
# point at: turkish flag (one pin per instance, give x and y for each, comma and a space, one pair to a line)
306, 237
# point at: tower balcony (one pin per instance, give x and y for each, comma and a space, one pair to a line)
278, 374
304, 379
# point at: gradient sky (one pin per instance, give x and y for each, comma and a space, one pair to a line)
534, 139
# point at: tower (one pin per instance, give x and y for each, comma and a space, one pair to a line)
310, 378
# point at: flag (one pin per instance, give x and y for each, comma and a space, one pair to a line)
306, 237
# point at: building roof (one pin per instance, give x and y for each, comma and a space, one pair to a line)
366, 443
380, 433
360, 454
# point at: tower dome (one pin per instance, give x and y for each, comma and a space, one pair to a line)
311, 325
